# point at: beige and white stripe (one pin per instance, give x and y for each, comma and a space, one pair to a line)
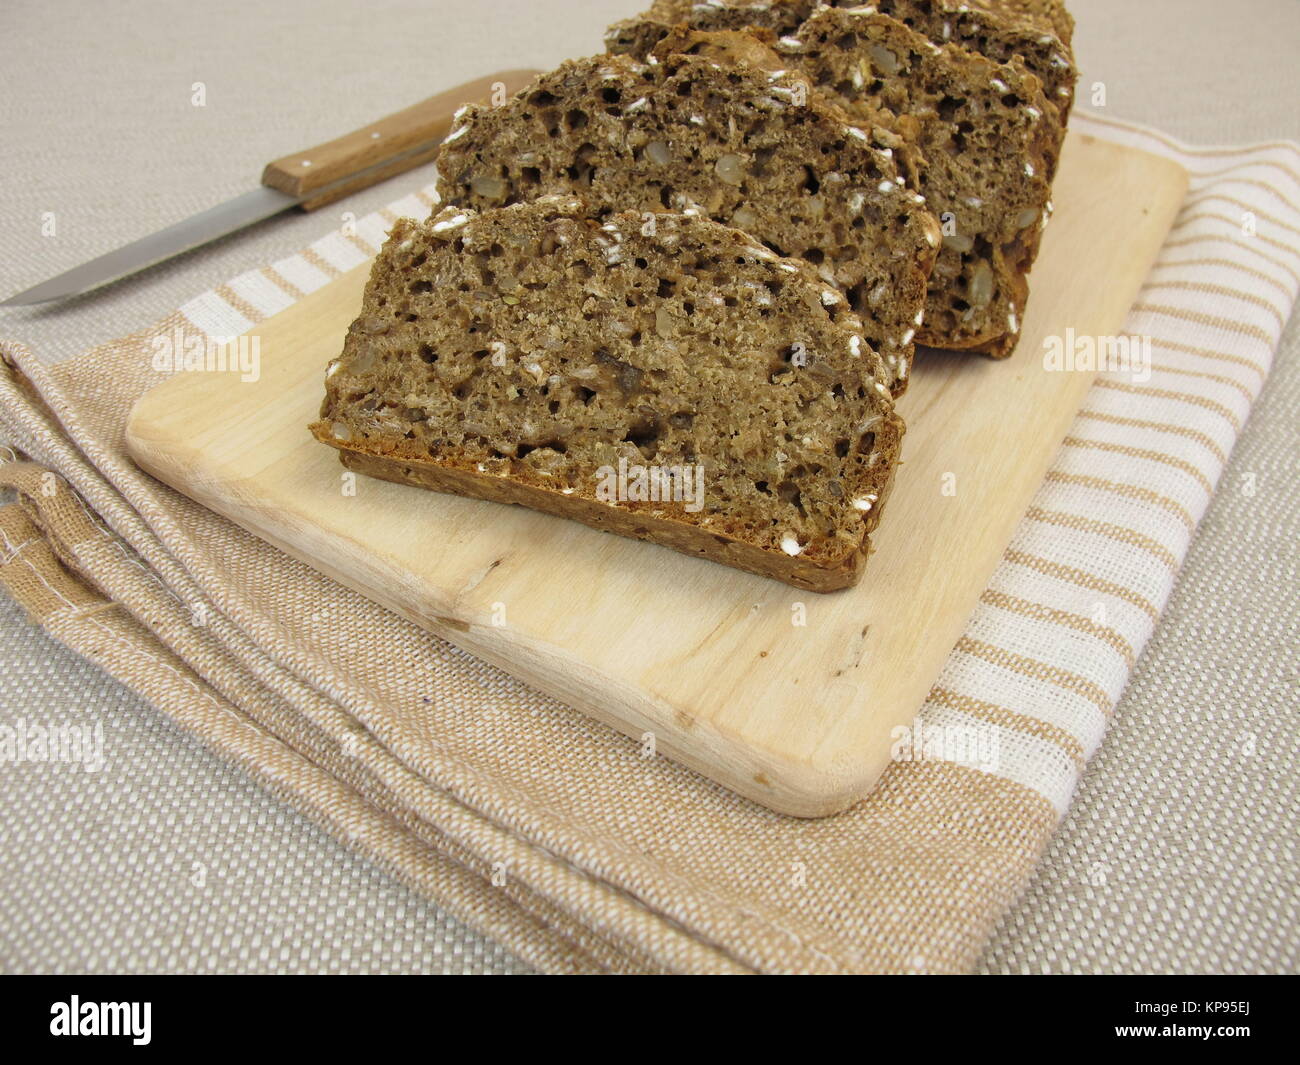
1117, 511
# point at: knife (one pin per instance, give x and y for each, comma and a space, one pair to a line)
306, 180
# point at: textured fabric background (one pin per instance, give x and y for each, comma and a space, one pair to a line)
1177, 896
1180, 851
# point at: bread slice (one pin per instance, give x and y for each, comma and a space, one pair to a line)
1041, 16
1037, 31
976, 138
528, 354
984, 147
746, 146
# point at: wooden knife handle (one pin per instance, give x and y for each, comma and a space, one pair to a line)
385, 148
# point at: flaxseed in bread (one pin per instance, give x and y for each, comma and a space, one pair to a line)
530, 354
746, 146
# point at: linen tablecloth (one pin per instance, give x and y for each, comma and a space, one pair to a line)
526, 819
580, 913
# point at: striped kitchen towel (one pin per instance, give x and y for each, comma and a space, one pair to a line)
549, 831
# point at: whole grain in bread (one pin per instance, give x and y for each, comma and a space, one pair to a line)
976, 138
530, 354
1037, 31
983, 149
740, 144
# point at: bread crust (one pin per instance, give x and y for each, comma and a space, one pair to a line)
635, 521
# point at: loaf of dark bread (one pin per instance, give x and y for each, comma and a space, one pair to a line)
1047, 17
978, 138
741, 144
549, 354
1037, 31
983, 147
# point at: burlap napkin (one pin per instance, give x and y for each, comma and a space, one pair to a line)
552, 833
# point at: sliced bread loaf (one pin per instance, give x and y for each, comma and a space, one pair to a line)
984, 147
1042, 16
1038, 31
658, 376
976, 138
750, 147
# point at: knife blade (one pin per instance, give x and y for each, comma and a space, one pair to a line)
306, 180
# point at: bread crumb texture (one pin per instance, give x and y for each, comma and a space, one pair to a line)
562, 357
728, 140
971, 97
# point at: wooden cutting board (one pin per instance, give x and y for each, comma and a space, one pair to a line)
787, 697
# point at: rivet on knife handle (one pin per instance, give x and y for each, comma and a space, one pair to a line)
382, 149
